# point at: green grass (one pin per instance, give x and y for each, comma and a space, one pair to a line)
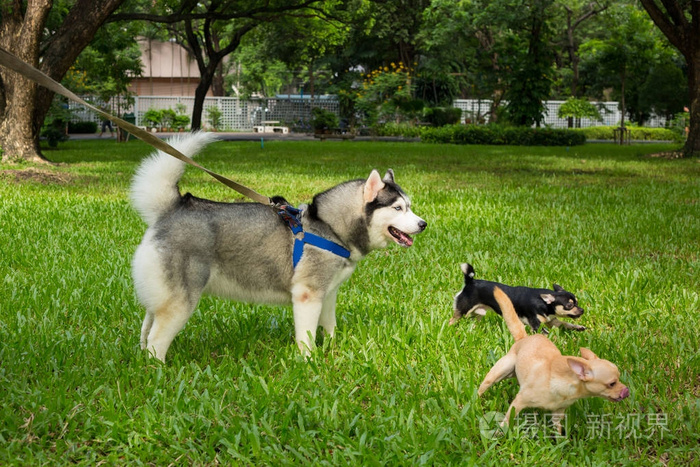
397, 385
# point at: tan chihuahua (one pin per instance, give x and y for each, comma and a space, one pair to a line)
548, 379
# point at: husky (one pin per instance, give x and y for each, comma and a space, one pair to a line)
244, 251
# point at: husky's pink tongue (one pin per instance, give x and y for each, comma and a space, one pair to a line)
400, 237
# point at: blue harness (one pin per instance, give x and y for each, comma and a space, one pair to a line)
292, 217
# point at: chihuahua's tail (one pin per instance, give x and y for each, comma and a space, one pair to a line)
468, 272
515, 326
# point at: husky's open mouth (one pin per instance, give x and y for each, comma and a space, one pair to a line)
400, 237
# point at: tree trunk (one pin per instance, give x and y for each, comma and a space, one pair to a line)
671, 18
572, 52
311, 82
692, 144
23, 105
571, 46
217, 84
199, 95
20, 35
692, 58
622, 108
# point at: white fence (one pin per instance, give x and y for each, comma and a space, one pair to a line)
236, 114
294, 111
477, 110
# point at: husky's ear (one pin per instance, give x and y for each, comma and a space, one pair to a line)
389, 176
465, 268
547, 297
582, 370
372, 187
587, 354
558, 288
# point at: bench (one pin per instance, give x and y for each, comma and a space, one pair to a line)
271, 126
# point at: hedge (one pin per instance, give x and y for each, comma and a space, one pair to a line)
398, 129
441, 116
636, 133
500, 135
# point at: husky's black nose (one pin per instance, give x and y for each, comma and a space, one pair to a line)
422, 225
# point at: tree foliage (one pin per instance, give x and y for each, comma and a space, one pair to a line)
515, 53
213, 29
107, 65
578, 109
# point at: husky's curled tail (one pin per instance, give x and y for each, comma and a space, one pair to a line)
154, 188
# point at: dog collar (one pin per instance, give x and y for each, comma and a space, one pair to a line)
292, 216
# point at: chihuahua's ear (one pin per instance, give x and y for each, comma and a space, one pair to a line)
547, 297
581, 368
587, 354
372, 187
389, 176
558, 288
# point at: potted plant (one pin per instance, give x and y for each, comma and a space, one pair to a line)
152, 118
214, 115
167, 119
181, 120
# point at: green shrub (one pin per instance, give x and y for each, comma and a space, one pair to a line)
441, 116
597, 132
82, 127
153, 117
408, 107
214, 116
501, 135
578, 109
678, 124
181, 121
652, 134
398, 129
323, 119
55, 124
636, 133
54, 132
386, 95
168, 117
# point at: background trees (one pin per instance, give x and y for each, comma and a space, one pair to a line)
517, 51
213, 29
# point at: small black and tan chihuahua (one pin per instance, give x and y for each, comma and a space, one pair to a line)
533, 306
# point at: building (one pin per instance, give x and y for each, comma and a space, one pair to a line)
168, 70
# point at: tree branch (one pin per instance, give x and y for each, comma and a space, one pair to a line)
675, 34
675, 11
588, 14
257, 13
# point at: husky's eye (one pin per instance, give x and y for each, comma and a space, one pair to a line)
398, 208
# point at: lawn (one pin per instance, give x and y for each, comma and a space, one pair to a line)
397, 385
